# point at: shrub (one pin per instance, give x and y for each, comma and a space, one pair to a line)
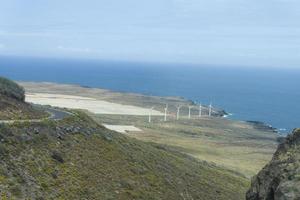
11, 89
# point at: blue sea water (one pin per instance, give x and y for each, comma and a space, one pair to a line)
268, 95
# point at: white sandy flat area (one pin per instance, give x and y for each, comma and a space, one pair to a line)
122, 128
90, 104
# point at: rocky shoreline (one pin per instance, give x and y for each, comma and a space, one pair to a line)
263, 126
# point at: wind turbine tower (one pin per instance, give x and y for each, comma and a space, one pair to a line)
178, 112
150, 114
210, 110
190, 112
200, 110
166, 112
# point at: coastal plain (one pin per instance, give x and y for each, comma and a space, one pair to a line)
85, 103
241, 147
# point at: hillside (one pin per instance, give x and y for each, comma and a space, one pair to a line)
11, 89
280, 179
238, 146
12, 105
76, 158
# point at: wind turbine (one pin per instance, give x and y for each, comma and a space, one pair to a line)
210, 110
200, 110
190, 112
166, 111
150, 113
178, 112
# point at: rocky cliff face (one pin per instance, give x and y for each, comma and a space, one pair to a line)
280, 179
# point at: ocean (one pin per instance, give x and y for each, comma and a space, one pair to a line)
269, 95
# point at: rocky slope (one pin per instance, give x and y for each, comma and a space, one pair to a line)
280, 179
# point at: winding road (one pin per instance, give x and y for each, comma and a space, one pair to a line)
55, 114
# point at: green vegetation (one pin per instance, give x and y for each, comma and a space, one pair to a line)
11, 89
77, 159
12, 105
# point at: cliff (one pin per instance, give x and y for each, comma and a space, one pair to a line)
280, 179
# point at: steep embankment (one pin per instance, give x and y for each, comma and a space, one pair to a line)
280, 179
12, 105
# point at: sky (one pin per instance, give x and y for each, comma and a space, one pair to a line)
222, 32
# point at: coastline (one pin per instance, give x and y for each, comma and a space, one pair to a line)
263, 126
140, 101
196, 84
121, 98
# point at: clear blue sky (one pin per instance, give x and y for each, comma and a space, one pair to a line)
229, 32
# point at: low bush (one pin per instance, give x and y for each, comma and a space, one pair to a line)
11, 89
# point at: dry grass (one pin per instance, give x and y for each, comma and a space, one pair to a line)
234, 145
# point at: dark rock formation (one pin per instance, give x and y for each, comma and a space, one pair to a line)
57, 156
280, 179
262, 126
